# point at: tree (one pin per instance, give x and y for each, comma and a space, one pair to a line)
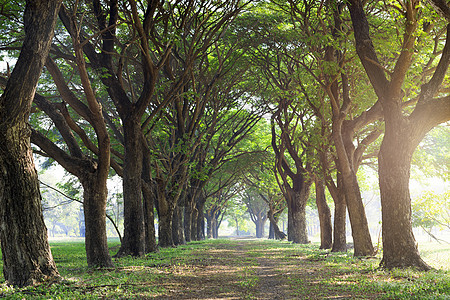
92, 174
26, 254
326, 238
328, 65
403, 132
295, 181
111, 72
200, 25
257, 209
236, 215
218, 191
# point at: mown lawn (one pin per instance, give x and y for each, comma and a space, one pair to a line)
239, 269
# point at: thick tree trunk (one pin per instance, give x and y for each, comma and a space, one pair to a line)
259, 224
188, 219
177, 226
165, 216
339, 231
358, 221
149, 195
194, 225
271, 232
149, 218
215, 228
94, 204
326, 237
297, 230
209, 231
200, 209
26, 254
277, 233
394, 160
133, 242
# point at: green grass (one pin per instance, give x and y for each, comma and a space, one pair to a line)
436, 255
229, 269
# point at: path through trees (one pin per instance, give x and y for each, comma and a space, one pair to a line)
257, 269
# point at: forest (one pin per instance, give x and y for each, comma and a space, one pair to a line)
145, 126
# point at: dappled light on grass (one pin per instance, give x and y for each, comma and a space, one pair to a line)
235, 269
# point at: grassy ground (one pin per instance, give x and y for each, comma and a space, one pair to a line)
239, 269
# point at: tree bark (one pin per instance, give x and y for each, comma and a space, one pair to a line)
94, 204
326, 237
149, 220
277, 233
200, 208
209, 230
297, 230
399, 245
133, 242
165, 215
177, 226
27, 258
271, 231
260, 227
148, 193
339, 231
215, 227
188, 218
340, 104
195, 224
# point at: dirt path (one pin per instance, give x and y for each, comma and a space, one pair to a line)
237, 271
271, 283
251, 270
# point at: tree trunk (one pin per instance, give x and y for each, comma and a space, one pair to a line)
360, 228
271, 232
149, 194
339, 232
149, 217
209, 230
215, 228
133, 242
402, 133
27, 258
259, 224
343, 140
394, 160
326, 237
165, 238
188, 218
149, 222
94, 204
277, 233
194, 225
177, 226
297, 230
200, 208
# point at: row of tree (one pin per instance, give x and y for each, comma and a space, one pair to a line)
171, 95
